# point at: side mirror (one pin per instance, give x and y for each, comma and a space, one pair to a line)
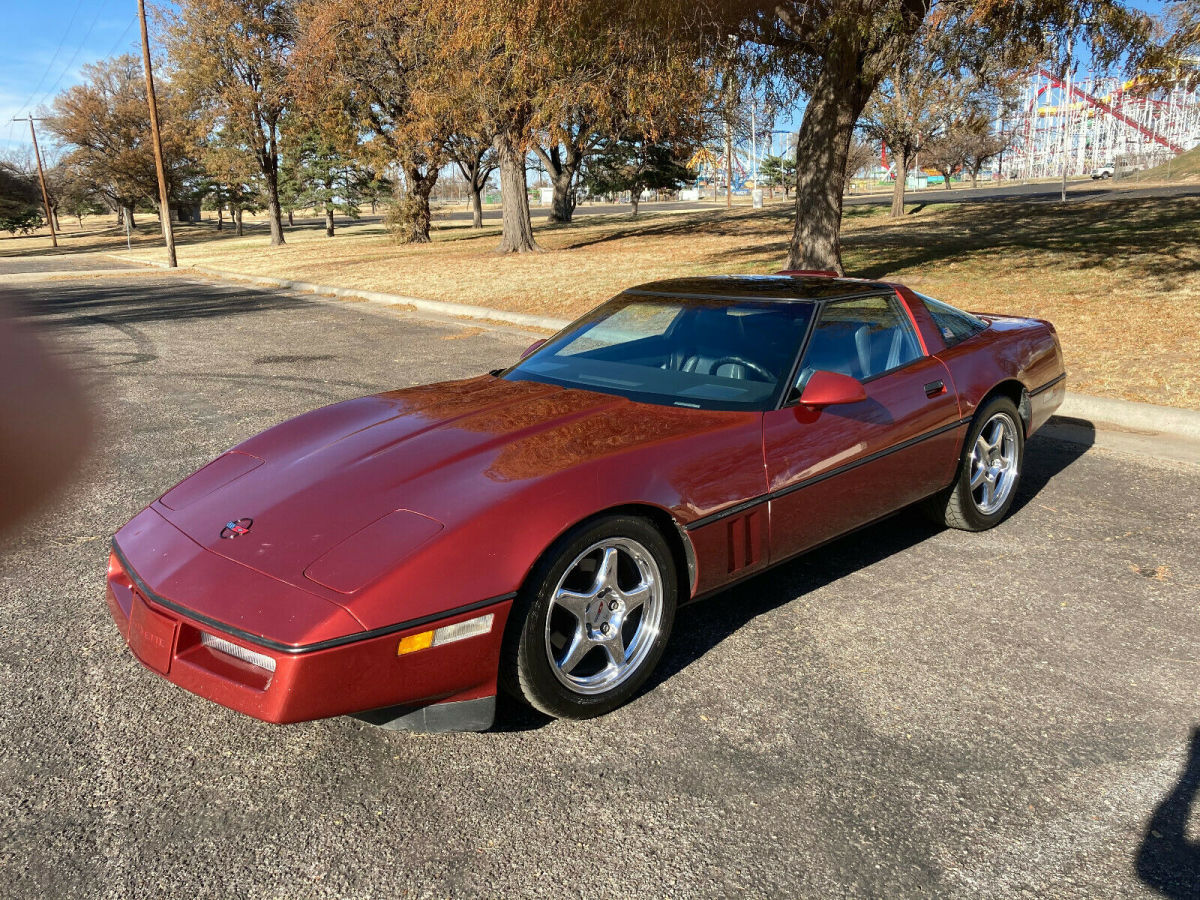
832, 388
533, 347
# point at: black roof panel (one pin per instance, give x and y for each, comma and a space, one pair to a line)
764, 287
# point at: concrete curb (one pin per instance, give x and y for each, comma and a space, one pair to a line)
1133, 416
1124, 414
461, 310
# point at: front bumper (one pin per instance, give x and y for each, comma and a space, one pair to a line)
356, 674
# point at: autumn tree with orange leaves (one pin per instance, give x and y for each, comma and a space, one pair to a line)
231, 59
521, 75
548, 74
104, 124
377, 63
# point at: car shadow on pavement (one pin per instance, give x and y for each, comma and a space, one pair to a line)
702, 626
1167, 860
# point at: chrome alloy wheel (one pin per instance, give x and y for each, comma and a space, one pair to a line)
995, 463
604, 616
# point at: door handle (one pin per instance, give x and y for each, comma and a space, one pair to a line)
933, 388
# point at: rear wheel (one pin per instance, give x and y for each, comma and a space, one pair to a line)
593, 620
989, 472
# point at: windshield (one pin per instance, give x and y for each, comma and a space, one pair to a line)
699, 353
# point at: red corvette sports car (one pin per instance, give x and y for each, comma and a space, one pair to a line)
402, 556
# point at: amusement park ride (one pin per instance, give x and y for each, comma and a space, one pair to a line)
709, 164
1086, 124
1094, 122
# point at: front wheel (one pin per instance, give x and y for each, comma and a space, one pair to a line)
989, 472
593, 620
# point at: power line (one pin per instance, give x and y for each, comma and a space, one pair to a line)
74, 56
117, 43
50, 65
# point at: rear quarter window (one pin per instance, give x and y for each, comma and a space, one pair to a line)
954, 324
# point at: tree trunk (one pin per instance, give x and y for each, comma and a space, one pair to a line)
476, 205
563, 208
291, 218
220, 216
274, 213
473, 173
268, 159
946, 180
901, 161
634, 197
517, 227
850, 71
237, 218
127, 217
563, 167
328, 220
415, 215
822, 150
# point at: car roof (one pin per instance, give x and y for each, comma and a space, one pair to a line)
811, 288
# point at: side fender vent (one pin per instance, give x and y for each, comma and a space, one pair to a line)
745, 536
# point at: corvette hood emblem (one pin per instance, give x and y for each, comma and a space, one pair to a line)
236, 528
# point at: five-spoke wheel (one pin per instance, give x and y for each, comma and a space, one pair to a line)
994, 459
593, 620
604, 615
987, 478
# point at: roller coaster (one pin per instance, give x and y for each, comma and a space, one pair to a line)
1094, 121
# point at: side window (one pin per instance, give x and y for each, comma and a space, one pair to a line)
861, 338
954, 324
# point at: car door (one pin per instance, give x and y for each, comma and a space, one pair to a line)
831, 469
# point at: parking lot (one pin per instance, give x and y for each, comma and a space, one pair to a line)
908, 712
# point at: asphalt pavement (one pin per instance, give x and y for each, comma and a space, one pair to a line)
909, 712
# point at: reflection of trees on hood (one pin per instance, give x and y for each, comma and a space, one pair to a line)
541, 429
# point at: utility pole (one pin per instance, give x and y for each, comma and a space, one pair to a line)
1066, 103
164, 207
37, 154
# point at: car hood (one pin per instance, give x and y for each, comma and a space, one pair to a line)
284, 501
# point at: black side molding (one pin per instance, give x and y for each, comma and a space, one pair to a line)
1049, 384
816, 479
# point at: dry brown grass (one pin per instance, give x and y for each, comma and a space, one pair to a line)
1119, 278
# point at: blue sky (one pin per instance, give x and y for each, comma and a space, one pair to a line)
43, 47
45, 43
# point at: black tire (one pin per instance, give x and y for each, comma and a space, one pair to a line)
538, 625
966, 508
